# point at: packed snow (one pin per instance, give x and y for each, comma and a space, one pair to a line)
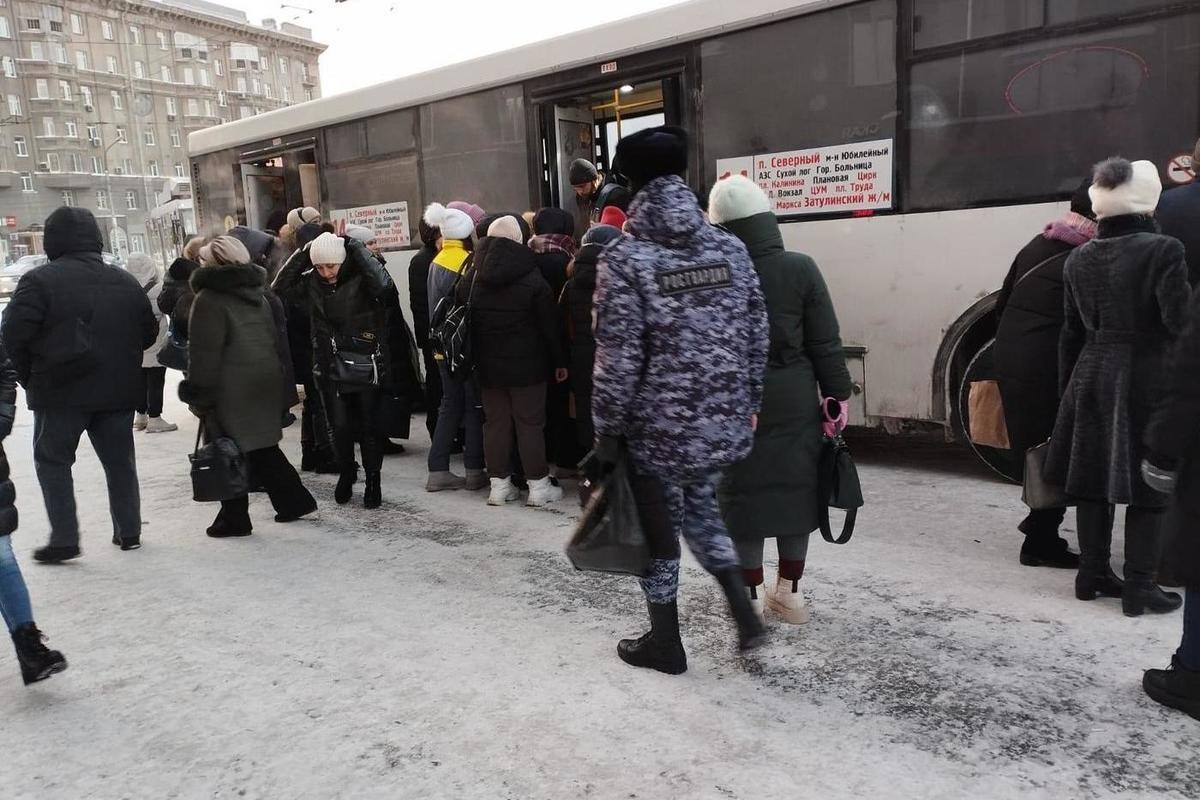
439, 648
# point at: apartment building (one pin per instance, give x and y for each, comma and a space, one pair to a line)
97, 98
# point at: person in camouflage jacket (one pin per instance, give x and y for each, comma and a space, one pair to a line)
681, 348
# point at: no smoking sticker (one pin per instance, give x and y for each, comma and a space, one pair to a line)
1181, 169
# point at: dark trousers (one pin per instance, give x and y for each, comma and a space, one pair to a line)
355, 418
314, 421
460, 409
154, 379
1189, 648
433, 388
562, 439
270, 469
56, 434
522, 409
1043, 523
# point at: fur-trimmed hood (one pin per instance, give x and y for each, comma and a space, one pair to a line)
245, 281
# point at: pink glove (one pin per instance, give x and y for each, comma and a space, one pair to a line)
836, 414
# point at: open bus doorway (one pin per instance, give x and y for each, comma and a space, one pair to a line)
588, 124
273, 183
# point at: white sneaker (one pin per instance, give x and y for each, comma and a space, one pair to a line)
543, 492
786, 600
503, 491
139, 422
758, 597
160, 425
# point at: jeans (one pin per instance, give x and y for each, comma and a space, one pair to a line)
154, 380
523, 409
270, 468
14, 597
1189, 649
56, 433
433, 389
694, 513
460, 408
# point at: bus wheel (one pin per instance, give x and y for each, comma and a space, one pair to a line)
1008, 464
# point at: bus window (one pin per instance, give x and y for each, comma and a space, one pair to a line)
813, 81
1027, 121
345, 142
940, 22
1064, 11
473, 148
392, 133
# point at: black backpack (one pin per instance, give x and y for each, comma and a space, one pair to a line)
450, 330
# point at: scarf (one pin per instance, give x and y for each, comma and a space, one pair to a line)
1126, 224
553, 243
1073, 229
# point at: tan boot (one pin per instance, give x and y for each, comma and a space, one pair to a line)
786, 600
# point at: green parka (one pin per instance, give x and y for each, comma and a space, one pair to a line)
773, 493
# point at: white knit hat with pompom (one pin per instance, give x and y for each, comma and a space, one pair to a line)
1121, 187
736, 197
453, 223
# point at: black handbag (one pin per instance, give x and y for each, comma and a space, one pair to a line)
174, 352
355, 369
450, 331
219, 470
1039, 493
610, 536
839, 487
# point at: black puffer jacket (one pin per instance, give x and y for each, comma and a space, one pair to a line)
350, 315
176, 285
514, 327
8, 412
76, 328
577, 303
418, 283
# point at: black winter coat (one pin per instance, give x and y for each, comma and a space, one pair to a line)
1126, 304
514, 327
1178, 215
577, 304
176, 285
1025, 354
76, 328
1173, 440
350, 315
418, 293
8, 411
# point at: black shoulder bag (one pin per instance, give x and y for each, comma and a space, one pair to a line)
219, 469
839, 487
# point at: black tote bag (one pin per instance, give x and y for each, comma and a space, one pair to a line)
219, 470
610, 536
839, 487
1039, 493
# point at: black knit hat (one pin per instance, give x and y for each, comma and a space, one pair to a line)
307, 233
582, 171
1081, 201
653, 153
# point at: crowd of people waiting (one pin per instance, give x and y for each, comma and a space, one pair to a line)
656, 326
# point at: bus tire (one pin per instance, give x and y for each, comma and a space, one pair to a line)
1008, 464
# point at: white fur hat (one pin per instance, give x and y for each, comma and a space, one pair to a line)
327, 249
736, 197
453, 223
506, 228
302, 216
1120, 187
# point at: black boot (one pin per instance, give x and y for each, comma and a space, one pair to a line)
390, 448
55, 555
345, 486
372, 494
1143, 533
660, 648
230, 527
1174, 687
308, 457
1095, 577
751, 631
1052, 551
38, 662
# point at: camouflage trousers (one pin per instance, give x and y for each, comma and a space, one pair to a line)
695, 514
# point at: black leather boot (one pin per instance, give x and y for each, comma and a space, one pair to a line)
1143, 533
1176, 687
38, 662
1096, 577
372, 493
751, 631
308, 457
345, 486
660, 648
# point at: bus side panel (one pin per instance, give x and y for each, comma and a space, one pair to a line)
899, 281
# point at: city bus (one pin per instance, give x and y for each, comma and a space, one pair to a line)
912, 147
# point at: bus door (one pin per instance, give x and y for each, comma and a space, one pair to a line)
264, 191
276, 180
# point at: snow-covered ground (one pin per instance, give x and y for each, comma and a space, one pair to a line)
441, 648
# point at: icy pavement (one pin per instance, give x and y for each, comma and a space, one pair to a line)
442, 649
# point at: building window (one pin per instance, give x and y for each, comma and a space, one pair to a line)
162, 40
33, 24
36, 51
166, 75
41, 89
181, 170
217, 68
10, 67
122, 135
21, 148
256, 86
287, 94
204, 79
106, 30
283, 65
118, 102
127, 166
72, 130
48, 126
189, 76
148, 137
68, 198
137, 243
76, 162
97, 166
208, 108
64, 89
240, 84
60, 53
308, 95
14, 105
77, 25
54, 162
193, 107
176, 139
86, 93
81, 59
131, 200
222, 100
93, 134
139, 69
102, 200
5, 30
135, 34
154, 169
111, 63
304, 70
267, 91
26, 182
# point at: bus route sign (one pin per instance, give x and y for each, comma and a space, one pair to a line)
822, 180
389, 221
